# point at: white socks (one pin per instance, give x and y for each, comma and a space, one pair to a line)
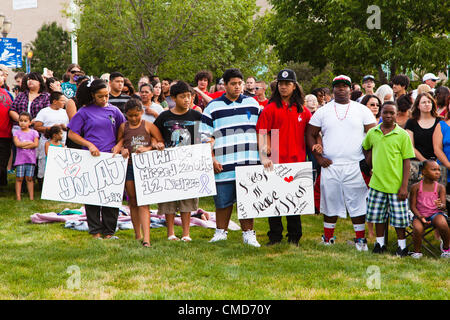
380, 240
401, 243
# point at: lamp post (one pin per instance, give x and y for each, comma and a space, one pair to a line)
29, 55
5, 25
73, 23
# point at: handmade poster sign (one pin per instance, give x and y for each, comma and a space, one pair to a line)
74, 175
286, 190
179, 173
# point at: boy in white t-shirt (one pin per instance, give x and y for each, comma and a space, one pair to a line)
343, 124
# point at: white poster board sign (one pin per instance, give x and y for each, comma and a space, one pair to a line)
179, 173
286, 190
24, 4
73, 175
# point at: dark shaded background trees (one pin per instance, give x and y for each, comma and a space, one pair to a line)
412, 35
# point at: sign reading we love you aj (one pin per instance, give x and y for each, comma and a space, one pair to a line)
286, 190
74, 175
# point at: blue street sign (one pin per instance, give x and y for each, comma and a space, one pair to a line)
10, 52
19, 54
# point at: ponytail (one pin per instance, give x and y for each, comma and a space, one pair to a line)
87, 89
52, 130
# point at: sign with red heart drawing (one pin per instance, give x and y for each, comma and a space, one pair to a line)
285, 190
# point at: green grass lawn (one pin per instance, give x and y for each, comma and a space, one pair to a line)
48, 261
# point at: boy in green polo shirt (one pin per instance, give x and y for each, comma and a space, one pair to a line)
390, 150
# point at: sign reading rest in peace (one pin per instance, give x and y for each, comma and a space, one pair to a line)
74, 175
286, 190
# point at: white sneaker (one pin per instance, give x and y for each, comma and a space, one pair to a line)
249, 238
328, 242
444, 254
361, 244
416, 255
219, 235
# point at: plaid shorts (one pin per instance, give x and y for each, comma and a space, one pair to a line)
25, 170
382, 205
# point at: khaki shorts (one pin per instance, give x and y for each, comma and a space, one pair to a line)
172, 207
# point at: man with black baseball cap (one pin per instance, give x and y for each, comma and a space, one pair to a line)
287, 75
343, 186
281, 139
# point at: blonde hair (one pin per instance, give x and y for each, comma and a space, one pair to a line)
316, 103
310, 96
423, 88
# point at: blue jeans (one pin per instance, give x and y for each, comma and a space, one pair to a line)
226, 195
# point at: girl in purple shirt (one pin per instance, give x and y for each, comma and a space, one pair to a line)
26, 141
95, 128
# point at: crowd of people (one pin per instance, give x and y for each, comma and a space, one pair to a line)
379, 154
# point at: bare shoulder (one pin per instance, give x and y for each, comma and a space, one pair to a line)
415, 187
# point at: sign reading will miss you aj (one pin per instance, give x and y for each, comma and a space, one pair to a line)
179, 173
74, 175
286, 190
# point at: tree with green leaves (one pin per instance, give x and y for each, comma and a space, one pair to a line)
173, 38
362, 36
51, 49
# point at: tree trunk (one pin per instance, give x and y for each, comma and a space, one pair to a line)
381, 75
393, 68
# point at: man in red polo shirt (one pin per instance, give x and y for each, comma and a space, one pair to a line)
284, 119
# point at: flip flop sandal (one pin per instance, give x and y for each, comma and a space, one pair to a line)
186, 239
173, 238
146, 244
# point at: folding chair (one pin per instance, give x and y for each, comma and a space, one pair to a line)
427, 245
416, 175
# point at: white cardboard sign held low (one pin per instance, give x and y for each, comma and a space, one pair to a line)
73, 175
286, 190
179, 173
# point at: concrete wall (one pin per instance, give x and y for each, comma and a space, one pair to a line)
26, 22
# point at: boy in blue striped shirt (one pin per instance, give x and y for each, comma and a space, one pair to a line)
229, 124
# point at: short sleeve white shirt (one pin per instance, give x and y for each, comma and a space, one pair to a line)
156, 107
49, 117
342, 127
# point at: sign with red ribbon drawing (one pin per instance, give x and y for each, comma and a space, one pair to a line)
179, 173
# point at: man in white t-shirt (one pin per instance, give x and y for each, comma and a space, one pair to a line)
342, 125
